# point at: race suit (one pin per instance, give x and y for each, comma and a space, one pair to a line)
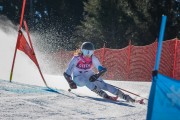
81, 68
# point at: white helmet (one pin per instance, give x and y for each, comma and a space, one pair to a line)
87, 49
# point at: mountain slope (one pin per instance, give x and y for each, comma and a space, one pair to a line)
22, 101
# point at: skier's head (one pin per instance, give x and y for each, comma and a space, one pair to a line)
87, 49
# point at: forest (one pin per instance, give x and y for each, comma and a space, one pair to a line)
65, 24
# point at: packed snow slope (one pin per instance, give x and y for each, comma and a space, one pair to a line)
21, 101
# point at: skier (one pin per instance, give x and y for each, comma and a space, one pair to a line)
80, 67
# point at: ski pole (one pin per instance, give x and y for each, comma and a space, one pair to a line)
129, 92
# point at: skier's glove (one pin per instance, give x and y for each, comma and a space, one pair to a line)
71, 83
94, 77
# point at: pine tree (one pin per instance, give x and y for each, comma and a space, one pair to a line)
90, 29
114, 22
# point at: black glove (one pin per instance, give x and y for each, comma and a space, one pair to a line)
71, 83
94, 77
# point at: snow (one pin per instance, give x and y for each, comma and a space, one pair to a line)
27, 98
23, 101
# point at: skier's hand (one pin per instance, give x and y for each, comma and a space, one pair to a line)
93, 77
67, 77
72, 85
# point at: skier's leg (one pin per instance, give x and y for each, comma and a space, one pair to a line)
83, 81
125, 96
102, 85
79, 80
105, 86
103, 94
98, 90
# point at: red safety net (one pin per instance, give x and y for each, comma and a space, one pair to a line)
176, 70
142, 60
167, 58
116, 61
134, 63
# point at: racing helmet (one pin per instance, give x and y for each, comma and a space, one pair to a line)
87, 49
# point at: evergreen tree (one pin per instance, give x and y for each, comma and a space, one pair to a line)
115, 22
170, 8
101, 24
90, 29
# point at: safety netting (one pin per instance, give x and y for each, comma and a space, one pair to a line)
134, 63
176, 70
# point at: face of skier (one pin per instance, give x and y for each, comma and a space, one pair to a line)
87, 53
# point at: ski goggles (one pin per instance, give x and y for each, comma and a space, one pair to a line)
87, 52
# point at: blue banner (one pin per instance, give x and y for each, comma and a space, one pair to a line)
164, 99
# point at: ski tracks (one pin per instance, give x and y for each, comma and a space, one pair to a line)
26, 102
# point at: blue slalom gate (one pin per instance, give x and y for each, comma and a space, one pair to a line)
164, 98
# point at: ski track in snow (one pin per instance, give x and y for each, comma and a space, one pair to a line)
30, 102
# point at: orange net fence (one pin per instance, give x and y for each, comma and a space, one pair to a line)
134, 63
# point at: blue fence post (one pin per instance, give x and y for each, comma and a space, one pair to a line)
160, 40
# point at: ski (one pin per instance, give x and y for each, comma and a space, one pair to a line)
112, 98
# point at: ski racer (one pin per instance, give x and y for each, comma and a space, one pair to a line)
80, 73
